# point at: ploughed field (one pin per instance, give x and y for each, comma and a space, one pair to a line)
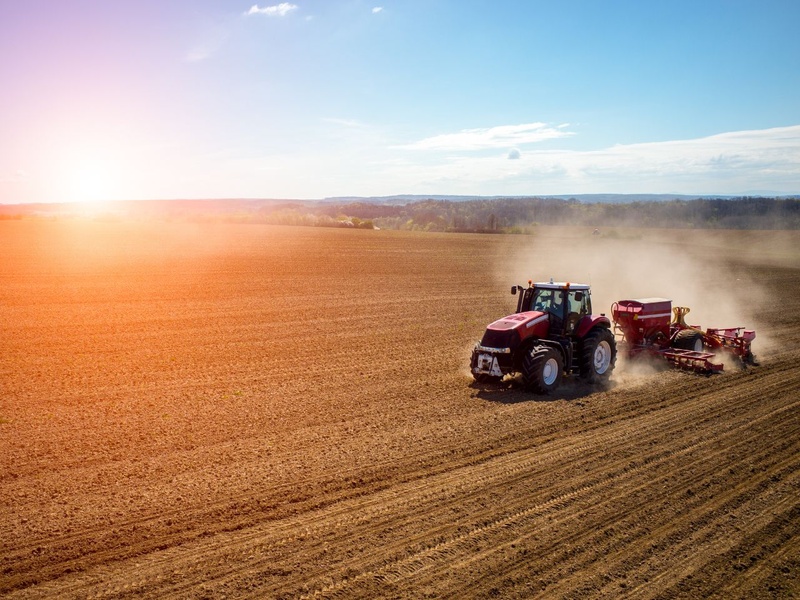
208, 411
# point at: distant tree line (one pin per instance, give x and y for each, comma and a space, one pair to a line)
493, 215
513, 215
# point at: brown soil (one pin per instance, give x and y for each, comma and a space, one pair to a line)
208, 411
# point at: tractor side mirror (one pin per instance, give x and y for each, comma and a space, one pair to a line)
579, 296
513, 290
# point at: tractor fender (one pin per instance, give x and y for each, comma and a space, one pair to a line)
589, 322
566, 356
565, 349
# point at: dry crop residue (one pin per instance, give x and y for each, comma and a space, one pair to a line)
245, 411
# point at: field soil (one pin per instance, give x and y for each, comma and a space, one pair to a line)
245, 411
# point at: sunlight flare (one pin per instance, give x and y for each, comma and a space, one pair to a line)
90, 179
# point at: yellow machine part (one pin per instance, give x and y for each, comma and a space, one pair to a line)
680, 312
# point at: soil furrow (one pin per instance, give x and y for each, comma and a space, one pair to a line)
226, 411
555, 503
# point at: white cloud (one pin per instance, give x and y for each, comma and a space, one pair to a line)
727, 154
208, 36
727, 163
278, 10
376, 9
349, 157
197, 54
502, 136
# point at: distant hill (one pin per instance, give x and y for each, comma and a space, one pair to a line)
588, 198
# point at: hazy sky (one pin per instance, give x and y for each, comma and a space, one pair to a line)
319, 98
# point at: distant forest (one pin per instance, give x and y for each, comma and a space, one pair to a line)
518, 215
486, 215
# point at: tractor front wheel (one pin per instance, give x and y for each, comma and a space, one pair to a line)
542, 368
598, 355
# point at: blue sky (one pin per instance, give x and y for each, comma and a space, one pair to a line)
313, 99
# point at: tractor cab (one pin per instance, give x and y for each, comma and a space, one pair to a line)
564, 303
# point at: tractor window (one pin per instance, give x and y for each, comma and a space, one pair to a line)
551, 301
578, 307
579, 303
542, 300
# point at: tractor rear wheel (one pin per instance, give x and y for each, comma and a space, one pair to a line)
542, 368
688, 339
598, 355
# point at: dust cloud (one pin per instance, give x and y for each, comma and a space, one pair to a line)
646, 264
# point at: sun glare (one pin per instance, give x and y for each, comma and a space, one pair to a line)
91, 180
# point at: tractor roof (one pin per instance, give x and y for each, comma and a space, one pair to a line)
561, 285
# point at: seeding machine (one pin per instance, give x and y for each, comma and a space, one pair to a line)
554, 333
647, 327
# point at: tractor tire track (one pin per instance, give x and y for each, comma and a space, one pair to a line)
357, 517
205, 423
443, 553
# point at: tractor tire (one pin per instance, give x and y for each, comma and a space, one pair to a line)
542, 369
688, 339
598, 355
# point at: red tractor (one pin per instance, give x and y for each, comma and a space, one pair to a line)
552, 333
647, 328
